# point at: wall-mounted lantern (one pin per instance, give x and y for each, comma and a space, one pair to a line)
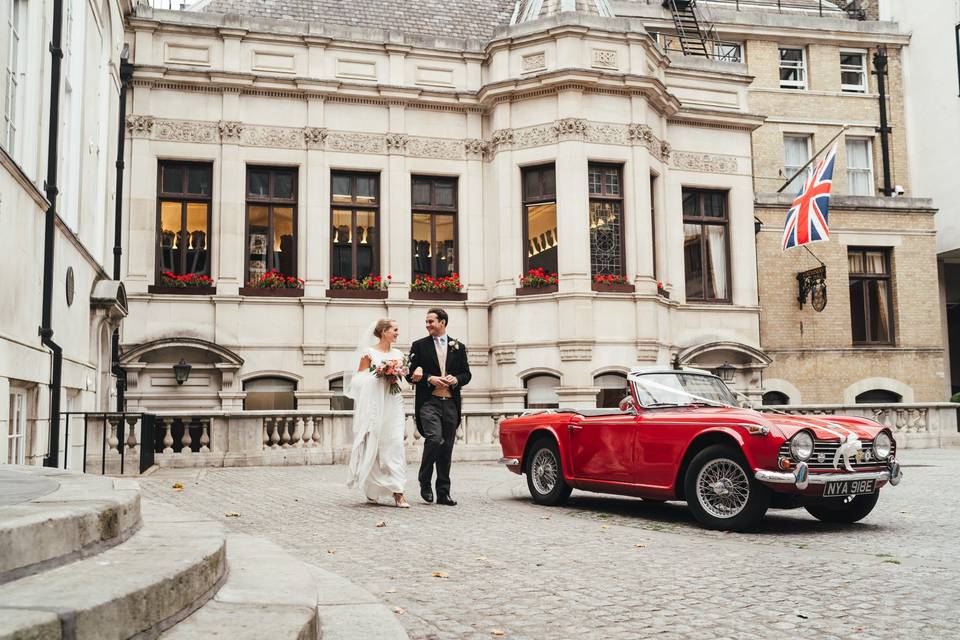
181, 371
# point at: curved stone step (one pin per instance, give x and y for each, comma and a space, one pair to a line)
267, 594
349, 612
172, 565
56, 517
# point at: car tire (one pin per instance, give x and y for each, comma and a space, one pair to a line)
846, 511
721, 491
545, 474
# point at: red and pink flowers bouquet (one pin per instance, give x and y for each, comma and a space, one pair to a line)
170, 279
391, 371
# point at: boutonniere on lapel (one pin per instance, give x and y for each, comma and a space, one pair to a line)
454, 345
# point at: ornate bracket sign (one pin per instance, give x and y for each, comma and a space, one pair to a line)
814, 283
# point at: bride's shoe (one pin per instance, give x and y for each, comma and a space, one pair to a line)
401, 501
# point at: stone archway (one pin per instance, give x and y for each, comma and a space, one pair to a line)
212, 381
747, 363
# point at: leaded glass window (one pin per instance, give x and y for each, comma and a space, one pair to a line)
606, 220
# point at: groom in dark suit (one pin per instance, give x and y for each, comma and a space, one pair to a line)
439, 369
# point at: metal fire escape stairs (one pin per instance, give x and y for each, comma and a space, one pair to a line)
690, 32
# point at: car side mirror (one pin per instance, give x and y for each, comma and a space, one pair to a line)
629, 405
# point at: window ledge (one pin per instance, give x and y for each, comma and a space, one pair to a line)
612, 288
452, 296
258, 292
533, 291
184, 291
358, 294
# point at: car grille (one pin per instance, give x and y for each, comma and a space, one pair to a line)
823, 450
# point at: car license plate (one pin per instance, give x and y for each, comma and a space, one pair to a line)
849, 488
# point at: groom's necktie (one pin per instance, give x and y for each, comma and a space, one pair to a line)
442, 359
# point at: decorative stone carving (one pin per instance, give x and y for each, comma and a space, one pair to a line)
705, 162
314, 136
442, 148
576, 352
606, 134
501, 138
665, 150
569, 128
640, 133
396, 142
535, 136
356, 142
186, 131
477, 358
273, 137
231, 131
314, 356
140, 126
475, 147
504, 356
533, 62
647, 353
605, 59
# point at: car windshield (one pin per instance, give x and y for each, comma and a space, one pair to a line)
681, 389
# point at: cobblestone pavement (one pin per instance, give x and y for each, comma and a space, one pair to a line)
607, 566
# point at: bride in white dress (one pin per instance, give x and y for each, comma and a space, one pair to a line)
377, 462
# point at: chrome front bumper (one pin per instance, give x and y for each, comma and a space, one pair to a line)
510, 462
801, 477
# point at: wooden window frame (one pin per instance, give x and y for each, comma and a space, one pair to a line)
704, 222
803, 84
542, 198
863, 70
270, 201
603, 196
354, 207
867, 170
184, 199
864, 279
433, 210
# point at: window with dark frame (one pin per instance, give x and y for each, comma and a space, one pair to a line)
706, 245
434, 207
270, 394
653, 224
271, 236
540, 218
355, 221
606, 219
542, 392
871, 304
183, 217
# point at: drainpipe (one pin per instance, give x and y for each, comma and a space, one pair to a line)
50, 187
880, 64
126, 73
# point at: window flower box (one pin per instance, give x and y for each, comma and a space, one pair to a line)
273, 284
535, 291
358, 294
189, 284
661, 291
369, 288
611, 284
429, 288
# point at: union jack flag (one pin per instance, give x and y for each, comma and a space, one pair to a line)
807, 219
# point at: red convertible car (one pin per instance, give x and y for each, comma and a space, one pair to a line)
679, 435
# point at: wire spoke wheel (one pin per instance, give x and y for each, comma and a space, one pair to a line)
723, 488
544, 471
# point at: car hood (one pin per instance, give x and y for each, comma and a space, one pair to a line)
823, 427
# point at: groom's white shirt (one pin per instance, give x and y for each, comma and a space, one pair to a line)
440, 341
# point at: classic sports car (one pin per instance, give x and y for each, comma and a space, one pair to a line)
678, 435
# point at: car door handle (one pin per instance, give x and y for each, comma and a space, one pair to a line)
574, 427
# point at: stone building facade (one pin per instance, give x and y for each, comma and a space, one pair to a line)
87, 305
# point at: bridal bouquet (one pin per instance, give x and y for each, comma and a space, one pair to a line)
392, 371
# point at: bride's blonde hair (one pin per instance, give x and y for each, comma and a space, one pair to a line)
382, 325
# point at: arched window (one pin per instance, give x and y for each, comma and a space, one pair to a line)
878, 396
613, 387
542, 392
339, 402
267, 394
775, 398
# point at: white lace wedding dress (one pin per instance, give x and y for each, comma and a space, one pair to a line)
377, 463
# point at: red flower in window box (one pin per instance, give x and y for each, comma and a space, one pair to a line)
170, 279
447, 284
610, 279
370, 283
273, 279
538, 277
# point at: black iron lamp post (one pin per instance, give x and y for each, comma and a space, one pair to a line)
181, 371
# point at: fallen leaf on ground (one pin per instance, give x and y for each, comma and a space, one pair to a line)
398, 611
604, 526
482, 558
232, 514
640, 546
439, 574
497, 632
390, 591
331, 551
381, 524
544, 517
800, 615
178, 486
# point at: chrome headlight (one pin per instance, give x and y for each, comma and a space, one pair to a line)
801, 446
882, 446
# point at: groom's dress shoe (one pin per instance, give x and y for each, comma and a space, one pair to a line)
426, 494
447, 500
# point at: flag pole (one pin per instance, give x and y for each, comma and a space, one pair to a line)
814, 157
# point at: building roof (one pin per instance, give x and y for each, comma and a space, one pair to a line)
446, 18
529, 10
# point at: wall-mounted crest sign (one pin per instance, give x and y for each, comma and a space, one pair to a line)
813, 283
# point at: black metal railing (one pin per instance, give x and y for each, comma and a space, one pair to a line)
120, 433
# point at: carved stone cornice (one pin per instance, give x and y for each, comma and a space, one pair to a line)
705, 162
569, 128
396, 142
315, 137
273, 137
356, 142
140, 126
505, 356
440, 148
230, 131
186, 131
500, 138
475, 148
